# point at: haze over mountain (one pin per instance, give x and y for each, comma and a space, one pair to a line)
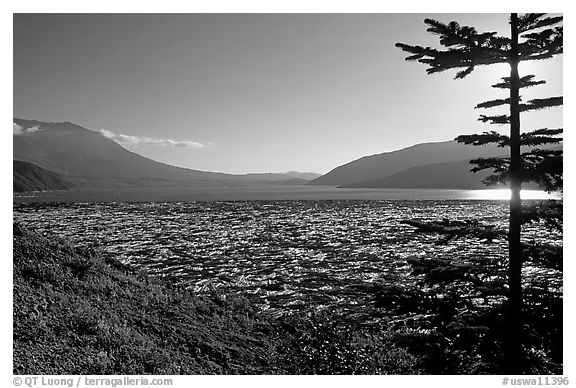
88, 159
303, 175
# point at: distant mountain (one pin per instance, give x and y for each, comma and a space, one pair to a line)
88, 159
449, 175
380, 166
303, 175
291, 176
275, 178
267, 176
29, 177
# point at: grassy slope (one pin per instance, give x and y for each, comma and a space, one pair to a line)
73, 314
76, 312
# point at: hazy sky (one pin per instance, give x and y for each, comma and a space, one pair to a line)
254, 92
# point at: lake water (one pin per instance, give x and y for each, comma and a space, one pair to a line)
267, 192
282, 255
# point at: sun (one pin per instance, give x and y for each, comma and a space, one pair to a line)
542, 69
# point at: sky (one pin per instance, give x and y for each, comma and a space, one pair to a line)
242, 93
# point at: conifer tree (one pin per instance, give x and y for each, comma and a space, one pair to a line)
533, 36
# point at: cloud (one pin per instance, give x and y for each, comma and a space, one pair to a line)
19, 130
107, 134
127, 140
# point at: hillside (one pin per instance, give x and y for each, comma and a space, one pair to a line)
29, 177
375, 167
450, 175
78, 311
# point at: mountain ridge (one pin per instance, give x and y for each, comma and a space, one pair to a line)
378, 166
86, 158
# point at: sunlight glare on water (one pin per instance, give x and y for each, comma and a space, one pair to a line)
504, 194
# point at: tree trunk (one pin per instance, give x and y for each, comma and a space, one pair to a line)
514, 351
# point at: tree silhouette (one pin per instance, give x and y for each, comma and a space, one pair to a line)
542, 38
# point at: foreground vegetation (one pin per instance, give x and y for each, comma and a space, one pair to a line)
77, 311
